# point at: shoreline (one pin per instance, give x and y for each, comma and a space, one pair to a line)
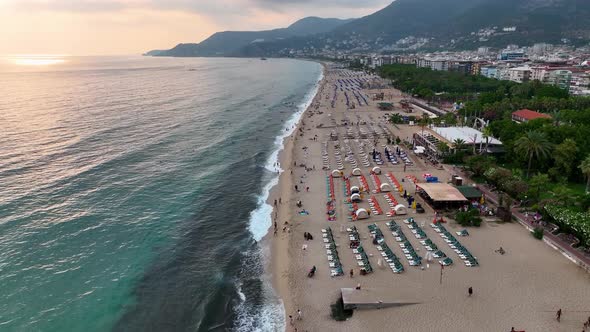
277, 266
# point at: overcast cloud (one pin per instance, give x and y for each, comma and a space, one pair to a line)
123, 26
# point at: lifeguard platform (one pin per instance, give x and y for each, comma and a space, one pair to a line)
369, 299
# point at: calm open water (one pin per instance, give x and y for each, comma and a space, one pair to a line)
132, 189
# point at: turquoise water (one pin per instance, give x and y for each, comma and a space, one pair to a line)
127, 191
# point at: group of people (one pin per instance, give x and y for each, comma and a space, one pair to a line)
299, 316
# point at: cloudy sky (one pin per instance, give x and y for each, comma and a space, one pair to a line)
95, 27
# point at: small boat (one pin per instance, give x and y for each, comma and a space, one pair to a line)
263, 59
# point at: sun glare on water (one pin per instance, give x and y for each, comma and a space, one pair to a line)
38, 60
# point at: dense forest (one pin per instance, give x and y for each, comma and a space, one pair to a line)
546, 162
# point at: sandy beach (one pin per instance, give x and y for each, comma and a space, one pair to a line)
522, 288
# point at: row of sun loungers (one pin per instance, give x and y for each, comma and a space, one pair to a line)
325, 156
376, 182
349, 154
390, 258
391, 156
427, 243
413, 258
363, 155
374, 205
457, 247
363, 182
338, 156
394, 181
332, 252
330, 197
416, 230
392, 202
405, 158
358, 252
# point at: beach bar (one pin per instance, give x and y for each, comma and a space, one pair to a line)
441, 195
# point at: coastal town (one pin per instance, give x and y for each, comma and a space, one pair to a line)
563, 65
373, 230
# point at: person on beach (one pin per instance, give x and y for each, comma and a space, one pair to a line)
280, 201
470, 291
299, 316
275, 203
351, 273
307, 189
296, 188
559, 315
291, 320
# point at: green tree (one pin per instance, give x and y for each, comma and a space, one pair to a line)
533, 145
487, 134
563, 195
424, 121
479, 164
442, 147
537, 184
585, 168
459, 144
565, 156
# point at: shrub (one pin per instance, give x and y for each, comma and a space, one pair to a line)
577, 223
469, 218
538, 233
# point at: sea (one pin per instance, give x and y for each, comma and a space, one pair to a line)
133, 190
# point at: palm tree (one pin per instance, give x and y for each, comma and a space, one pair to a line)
585, 168
458, 144
533, 145
486, 134
424, 122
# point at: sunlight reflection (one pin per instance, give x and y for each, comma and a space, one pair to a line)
38, 60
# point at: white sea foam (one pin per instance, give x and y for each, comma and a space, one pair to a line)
261, 217
271, 315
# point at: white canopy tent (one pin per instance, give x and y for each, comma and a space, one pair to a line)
386, 187
400, 210
355, 197
377, 170
356, 172
362, 214
336, 173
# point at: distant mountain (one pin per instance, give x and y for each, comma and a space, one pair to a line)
229, 43
448, 24
312, 25
413, 25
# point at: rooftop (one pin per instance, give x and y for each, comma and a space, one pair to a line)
469, 192
442, 192
467, 134
530, 115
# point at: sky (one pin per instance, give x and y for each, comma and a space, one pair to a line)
120, 27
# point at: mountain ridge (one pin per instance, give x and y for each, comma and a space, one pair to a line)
229, 43
439, 24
